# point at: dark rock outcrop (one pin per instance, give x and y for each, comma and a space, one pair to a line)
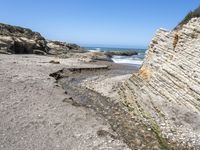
18, 40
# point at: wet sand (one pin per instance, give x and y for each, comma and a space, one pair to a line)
98, 90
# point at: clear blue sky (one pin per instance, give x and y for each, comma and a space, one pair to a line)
125, 23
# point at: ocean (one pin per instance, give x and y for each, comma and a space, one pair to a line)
135, 60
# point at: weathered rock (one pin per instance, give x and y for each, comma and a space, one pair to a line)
89, 56
19, 40
165, 92
97, 56
54, 62
39, 52
188, 17
2, 51
57, 48
120, 53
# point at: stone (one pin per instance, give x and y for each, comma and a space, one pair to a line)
120, 53
39, 52
54, 62
4, 52
168, 83
18, 40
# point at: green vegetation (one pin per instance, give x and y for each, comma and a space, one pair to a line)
190, 15
152, 124
156, 130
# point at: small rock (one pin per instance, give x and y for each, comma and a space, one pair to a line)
65, 100
39, 52
54, 62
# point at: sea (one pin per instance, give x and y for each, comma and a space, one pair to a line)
135, 60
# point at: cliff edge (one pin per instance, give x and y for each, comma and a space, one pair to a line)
165, 92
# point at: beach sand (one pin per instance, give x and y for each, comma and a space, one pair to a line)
35, 111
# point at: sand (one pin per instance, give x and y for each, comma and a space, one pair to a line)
35, 116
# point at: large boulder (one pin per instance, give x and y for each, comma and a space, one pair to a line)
18, 40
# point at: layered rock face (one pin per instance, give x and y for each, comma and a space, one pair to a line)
19, 40
166, 90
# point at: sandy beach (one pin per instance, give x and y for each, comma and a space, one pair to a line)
35, 113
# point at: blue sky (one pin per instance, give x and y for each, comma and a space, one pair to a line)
119, 23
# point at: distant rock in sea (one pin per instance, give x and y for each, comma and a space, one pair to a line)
165, 93
120, 53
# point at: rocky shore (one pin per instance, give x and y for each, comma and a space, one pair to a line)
72, 99
35, 111
165, 92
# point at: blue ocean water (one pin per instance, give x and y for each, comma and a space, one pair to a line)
135, 60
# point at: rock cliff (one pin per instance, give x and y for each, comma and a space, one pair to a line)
20, 40
165, 93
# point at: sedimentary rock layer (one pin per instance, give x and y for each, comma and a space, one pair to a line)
166, 90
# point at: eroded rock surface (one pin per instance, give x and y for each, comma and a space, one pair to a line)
166, 90
17, 40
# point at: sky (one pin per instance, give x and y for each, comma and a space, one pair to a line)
106, 23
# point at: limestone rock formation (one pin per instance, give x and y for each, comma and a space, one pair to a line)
165, 92
17, 40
